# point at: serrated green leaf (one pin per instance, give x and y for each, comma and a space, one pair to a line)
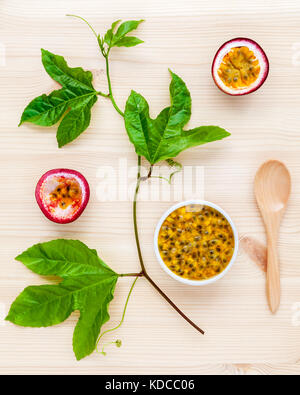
75, 79
87, 285
163, 138
77, 95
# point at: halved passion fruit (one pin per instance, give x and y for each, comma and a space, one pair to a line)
240, 67
62, 195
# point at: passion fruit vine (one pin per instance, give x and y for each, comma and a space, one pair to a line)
62, 195
240, 67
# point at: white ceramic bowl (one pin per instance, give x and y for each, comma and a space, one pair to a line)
186, 280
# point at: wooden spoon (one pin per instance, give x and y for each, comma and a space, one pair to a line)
272, 190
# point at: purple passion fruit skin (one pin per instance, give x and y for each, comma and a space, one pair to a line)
240, 67
62, 195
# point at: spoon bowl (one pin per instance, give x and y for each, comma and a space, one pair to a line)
272, 189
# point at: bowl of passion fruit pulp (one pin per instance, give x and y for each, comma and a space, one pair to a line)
197, 203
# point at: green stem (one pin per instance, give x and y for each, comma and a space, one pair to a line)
123, 315
107, 66
136, 233
103, 95
105, 345
84, 20
162, 178
109, 87
138, 183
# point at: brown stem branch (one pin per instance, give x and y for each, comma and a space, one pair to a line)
144, 271
131, 274
172, 304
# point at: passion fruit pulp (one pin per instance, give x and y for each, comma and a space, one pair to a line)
62, 195
240, 67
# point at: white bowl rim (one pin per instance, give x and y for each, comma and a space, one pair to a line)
186, 280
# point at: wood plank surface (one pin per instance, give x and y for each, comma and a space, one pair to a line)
242, 336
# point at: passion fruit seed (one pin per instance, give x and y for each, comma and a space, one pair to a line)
185, 255
239, 68
66, 193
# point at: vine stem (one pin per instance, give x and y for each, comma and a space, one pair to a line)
136, 232
123, 315
138, 183
103, 95
172, 304
84, 20
131, 275
107, 66
109, 86
144, 271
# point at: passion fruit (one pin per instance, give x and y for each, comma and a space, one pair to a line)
62, 195
240, 67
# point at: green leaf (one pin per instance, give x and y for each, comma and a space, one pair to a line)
181, 107
87, 285
77, 96
76, 121
126, 27
110, 33
163, 138
128, 42
118, 39
76, 79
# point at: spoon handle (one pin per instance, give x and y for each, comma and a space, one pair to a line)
273, 275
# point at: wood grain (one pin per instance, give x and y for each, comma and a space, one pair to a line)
242, 336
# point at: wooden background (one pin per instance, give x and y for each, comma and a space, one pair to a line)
242, 337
